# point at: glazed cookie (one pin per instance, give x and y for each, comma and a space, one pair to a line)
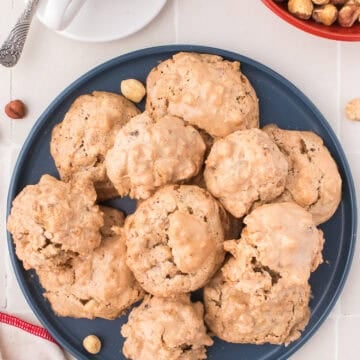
286, 240
98, 285
205, 91
80, 142
164, 329
277, 316
53, 221
261, 294
313, 181
148, 154
244, 167
175, 240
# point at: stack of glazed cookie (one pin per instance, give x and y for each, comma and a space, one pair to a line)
222, 205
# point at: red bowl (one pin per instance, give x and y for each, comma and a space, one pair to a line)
335, 32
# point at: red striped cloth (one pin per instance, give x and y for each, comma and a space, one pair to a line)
30, 328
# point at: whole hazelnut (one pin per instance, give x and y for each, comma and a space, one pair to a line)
349, 13
15, 109
325, 14
92, 344
133, 90
301, 8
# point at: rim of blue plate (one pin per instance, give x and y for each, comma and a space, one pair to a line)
176, 48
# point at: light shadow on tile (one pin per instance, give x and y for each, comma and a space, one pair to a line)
349, 344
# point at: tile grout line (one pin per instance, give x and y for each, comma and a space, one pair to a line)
176, 20
337, 319
11, 82
6, 278
338, 93
339, 112
11, 98
9, 175
8, 266
9, 167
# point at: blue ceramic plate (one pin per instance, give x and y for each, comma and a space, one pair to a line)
280, 102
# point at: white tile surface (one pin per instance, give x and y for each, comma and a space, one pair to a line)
50, 63
348, 342
326, 71
4, 78
349, 89
14, 298
15, 301
5, 155
322, 345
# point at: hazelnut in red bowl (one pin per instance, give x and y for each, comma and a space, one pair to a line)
332, 19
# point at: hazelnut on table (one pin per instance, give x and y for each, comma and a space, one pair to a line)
15, 109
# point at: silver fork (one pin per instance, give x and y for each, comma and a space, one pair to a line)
11, 49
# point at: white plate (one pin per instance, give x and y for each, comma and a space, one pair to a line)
108, 20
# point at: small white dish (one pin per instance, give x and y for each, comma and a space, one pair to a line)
108, 20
